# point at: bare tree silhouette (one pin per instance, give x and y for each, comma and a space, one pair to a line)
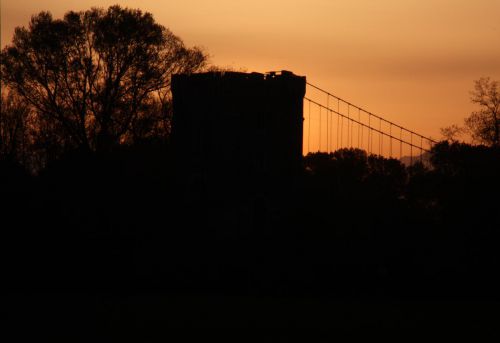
484, 124
100, 77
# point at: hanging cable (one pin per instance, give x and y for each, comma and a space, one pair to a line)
319, 135
381, 137
371, 141
338, 122
421, 149
361, 136
342, 132
331, 131
327, 125
401, 143
369, 134
381, 145
309, 130
390, 141
352, 134
359, 128
338, 126
349, 123
411, 149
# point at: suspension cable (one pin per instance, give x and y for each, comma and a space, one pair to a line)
368, 112
379, 131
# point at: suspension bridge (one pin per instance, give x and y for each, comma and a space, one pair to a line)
332, 123
265, 123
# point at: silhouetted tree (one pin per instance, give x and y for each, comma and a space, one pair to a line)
14, 117
467, 185
97, 78
452, 133
484, 125
386, 176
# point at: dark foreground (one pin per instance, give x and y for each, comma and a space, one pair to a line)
154, 317
108, 248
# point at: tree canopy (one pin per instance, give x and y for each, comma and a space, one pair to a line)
97, 78
484, 124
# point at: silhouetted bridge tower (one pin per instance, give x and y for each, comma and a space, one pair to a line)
237, 137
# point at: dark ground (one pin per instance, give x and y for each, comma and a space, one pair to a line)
154, 317
105, 249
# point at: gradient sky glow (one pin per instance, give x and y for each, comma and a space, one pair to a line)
411, 61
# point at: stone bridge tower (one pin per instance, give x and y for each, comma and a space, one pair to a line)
237, 137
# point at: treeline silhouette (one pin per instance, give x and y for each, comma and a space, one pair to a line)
357, 224
104, 244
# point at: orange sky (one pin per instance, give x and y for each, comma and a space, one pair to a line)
412, 61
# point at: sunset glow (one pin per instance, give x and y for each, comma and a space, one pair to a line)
412, 62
